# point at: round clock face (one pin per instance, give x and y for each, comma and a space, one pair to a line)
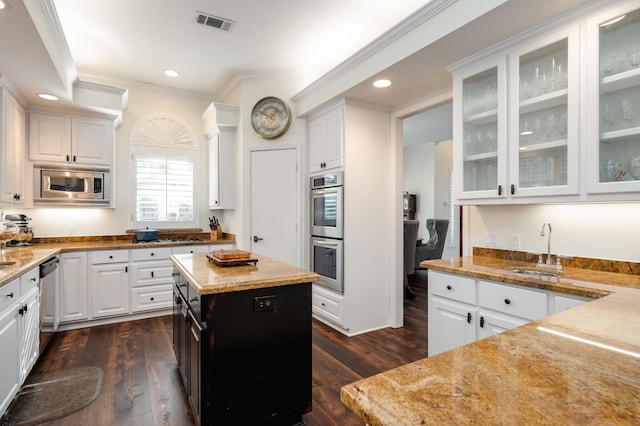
270, 117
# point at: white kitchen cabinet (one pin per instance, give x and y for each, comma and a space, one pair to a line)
151, 279
613, 113
463, 309
71, 140
9, 344
452, 311
326, 139
222, 169
29, 322
327, 304
562, 302
12, 149
220, 123
543, 116
109, 283
74, 294
19, 333
356, 137
516, 121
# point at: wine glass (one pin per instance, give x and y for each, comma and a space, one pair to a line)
8, 231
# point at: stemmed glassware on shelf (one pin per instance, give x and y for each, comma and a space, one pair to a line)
8, 231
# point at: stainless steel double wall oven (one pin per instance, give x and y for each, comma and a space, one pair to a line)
327, 209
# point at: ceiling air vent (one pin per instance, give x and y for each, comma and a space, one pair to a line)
223, 24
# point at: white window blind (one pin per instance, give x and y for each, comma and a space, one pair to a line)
164, 186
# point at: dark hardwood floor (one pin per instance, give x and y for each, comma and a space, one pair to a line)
142, 386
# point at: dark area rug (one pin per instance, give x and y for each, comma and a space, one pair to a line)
49, 396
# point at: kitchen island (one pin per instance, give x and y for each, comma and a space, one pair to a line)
242, 339
580, 366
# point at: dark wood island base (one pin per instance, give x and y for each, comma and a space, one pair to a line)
244, 354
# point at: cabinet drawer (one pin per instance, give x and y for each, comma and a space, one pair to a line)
562, 303
328, 306
453, 287
109, 256
152, 298
520, 302
9, 293
190, 249
149, 273
154, 253
29, 280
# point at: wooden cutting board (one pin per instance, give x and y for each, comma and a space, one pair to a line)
231, 254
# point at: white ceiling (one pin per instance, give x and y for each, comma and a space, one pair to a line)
135, 41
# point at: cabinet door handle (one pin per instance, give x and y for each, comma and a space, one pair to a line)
152, 299
151, 274
34, 279
126, 269
10, 295
481, 322
152, 254
507, 301
513, 189
110, 257
74, 158
499, 189
469, 317
67, 158
448, 287
21, 311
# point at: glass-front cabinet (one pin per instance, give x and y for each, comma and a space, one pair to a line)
543, 116
516, 132
481, 111
613, 156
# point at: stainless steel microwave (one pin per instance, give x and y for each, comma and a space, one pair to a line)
54, 185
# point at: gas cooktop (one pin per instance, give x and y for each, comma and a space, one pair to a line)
169, 240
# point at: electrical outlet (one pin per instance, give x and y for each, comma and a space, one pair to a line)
514, 241
264, 303
491, 239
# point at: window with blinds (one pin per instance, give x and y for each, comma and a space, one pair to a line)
164, 185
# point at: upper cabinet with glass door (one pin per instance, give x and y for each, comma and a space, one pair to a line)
613, 155
543, 116
480, 116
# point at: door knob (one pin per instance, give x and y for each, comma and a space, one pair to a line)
256, 239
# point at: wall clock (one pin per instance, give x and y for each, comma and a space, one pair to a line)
271, 117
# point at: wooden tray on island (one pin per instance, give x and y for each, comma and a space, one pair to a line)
231, 257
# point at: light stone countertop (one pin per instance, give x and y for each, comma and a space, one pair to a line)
580, 366
209, 278
22, 259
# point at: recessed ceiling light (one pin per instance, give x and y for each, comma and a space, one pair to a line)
382, 83
171, 73
3, 4
48, 96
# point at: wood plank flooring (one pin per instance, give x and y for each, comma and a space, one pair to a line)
142, 386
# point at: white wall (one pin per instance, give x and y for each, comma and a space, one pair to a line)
419, 178
607, 231
245, 95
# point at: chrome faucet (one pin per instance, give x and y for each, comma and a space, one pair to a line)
548, 262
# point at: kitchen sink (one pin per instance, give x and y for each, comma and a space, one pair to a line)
533, 272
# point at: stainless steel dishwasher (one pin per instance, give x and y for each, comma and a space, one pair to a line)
49, 316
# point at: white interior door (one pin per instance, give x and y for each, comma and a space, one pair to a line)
274, 221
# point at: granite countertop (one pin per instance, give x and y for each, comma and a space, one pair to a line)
209, 278
580, 366
22, 259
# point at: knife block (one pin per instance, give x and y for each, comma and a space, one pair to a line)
216, 234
